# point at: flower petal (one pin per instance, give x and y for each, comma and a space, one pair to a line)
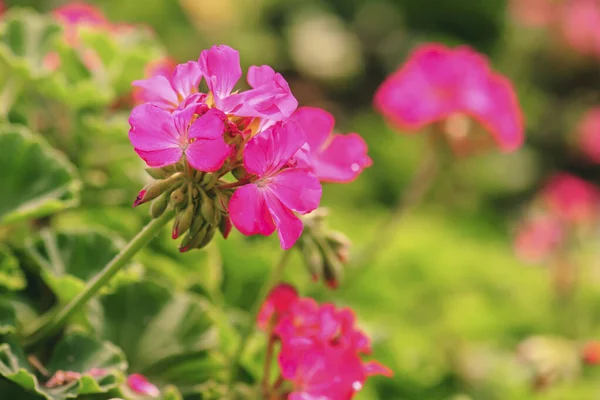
208, 126
258, 76
221, 68
372, 368
152, 128
186, 79
157, 90
317, 125
342, 160
268, 151
289, 227
160, 158
207, 154
249, 213
297, 189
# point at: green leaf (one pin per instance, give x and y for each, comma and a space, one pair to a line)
38, 180
8, 318
11, 276
76, 353
169, 337
68, 259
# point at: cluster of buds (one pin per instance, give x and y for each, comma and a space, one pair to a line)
247, 159
200, 206
321, 348
324, 251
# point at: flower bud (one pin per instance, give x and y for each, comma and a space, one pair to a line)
197, 224
177, 197
222, 201
157, 173
208, 180
155, 189
340, 244
225, 226
208, 211
313, 257
190, 242
183, 221
210, 233
333, 269
159, 205
239, 172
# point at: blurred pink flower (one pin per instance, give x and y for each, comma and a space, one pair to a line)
579, 24
280, 300
538, 238
438, 82
276, 188
160, 138
2, 7
333, 157
571, 199
140, 385
320, 347
80, 13
534, 13
591, 352
588, 135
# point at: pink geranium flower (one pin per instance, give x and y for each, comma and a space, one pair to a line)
277, 188
161, 138
588, 135
80, 13
333, 157
438, 83
538, 238
139, 384
278, 303
578, 22
571, 199
535, 13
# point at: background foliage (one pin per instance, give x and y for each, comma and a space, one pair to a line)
447, 303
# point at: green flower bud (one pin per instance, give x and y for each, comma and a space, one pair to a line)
210, 233
190, 242
313, 257
177, 197
183, 221
197, 224
333, 269
208, 211
156, 188
159, 205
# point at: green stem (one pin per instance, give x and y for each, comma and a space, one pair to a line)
51, 323
276, 275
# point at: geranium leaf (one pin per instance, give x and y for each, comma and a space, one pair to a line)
11, 276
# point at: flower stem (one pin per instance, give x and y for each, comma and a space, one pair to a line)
264, 292
52, 322
268, 361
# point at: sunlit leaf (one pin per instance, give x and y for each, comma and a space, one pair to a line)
11, 276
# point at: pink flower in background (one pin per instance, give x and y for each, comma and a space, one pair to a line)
139, 384
277, 187
438, 82
169, 90
270, 96
321, 346
280, 300
333, 157
571, 199
579, 22
161, 138
80, 13
591, 352
538, 238
164, 66
588, 135
2, 7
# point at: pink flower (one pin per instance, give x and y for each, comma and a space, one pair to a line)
161, 138
80, 13
579, 21
571, 199
277, 187
333, 157
534, 13
591, 352
170, 90
588, 135
270, 96
140, 385
538, 238
438, 82
280, 300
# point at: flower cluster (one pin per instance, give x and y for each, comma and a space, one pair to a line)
588, 135
246, 158
566, 206
321, 348
453, 88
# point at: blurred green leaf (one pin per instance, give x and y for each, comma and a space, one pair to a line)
11, 276
39, 179
68, 259
8, 318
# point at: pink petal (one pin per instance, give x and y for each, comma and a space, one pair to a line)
249, 213
221, 68
209, 126
588, 135
279, 301
208, 154
267, 152
342, 160
154, 136
258, 76
297, 189
372, 368
157, 90
289, 227
317, 125
186, 79
140, 385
